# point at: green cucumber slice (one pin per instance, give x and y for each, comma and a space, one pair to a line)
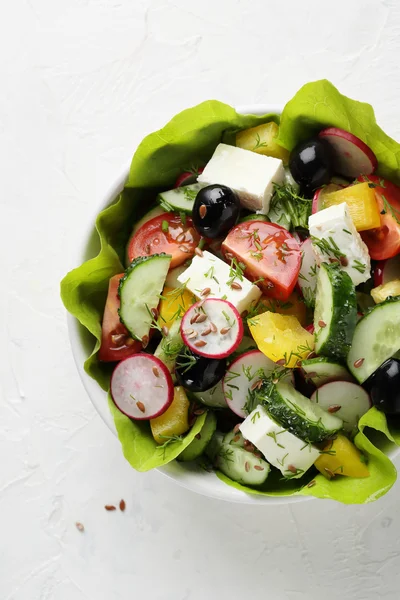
214, 397
241, 466
180, 199
197, 447
376, 338
139, 291
254, 217
297, 413
235, 438
215, 445
335, 314
323, 370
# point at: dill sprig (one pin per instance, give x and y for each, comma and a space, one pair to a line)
296, 208
185, 360
328, 246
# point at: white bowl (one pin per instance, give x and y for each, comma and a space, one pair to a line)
185, 474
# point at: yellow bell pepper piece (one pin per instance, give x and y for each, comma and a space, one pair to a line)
391, 288
175, 419
174, 304
363, 207
281, 337
341, 458
261, 139
293, 306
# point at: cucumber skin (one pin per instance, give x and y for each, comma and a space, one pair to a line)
135, 263
276, 406
344, 315
197, 447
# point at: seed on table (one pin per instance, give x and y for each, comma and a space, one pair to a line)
79, 526
110, 507
122, 505
141, 406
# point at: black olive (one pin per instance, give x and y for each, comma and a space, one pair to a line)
202, 374
384, 387
311, 164
215, 210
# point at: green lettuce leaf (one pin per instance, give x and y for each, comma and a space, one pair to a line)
319, 104
187, 142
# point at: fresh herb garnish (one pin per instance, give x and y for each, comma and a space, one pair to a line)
259, 143
359, 266
236, 271
296, 208
165, 226
255, 416
328, 247
185, 360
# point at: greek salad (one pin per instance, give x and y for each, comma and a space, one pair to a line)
263, 291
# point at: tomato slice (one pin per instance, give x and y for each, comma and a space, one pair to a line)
271, 254
384, 241
116, 342
179, 239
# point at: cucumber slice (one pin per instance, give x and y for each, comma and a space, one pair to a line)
241, 466
201, 441
376, 338
215, 445
254, 217
322, 370
297, 413
139, 291
335, 314
180, 199
235, 438
214, 397
170, 346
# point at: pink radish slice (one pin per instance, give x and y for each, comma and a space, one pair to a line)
318, 199
351, 156
187, 177
387, 270
142, 387
352, 399
310, 328
212, 328
308, 271
242, 375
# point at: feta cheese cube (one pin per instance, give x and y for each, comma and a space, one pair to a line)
333, 230
280, 447
251, 175
208, 271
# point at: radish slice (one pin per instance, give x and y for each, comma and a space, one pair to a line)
308, 272
188, 177
310, 328
241, 377
346, 400
351, 156
387, 270
318, 199
142, 387
212, 328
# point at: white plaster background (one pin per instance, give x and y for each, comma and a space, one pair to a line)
82, 81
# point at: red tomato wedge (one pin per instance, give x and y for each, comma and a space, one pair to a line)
271, 254
384, 242
165, 233
116, 343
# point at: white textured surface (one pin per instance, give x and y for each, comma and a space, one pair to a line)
82, 82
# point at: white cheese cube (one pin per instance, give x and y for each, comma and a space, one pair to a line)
251, 175
280, 447
208, 271
333, 230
